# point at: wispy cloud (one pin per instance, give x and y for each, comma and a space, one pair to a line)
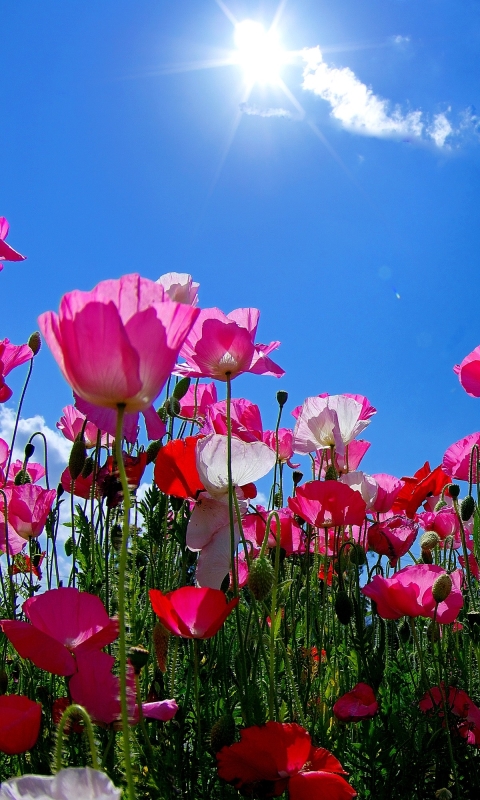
400, 41
358, 109
255, 111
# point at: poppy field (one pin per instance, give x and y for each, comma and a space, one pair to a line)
183, 640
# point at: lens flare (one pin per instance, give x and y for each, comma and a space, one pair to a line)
259, 52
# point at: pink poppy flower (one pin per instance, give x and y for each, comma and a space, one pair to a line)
290, 531
365, 484
162, 710
388, 489
245, 418
393, 537
349, 460
11, 356
28, 507
459, 704
180, 287
472, 563
328, 504
329, 421
197, 399
409, 593
118, 343
106, 420
285, 445
98, 690
64, 622
7, 253
360, 703
20, 720
71, 425
469, 373
223, 344
444, 522
456, 461
81, 487
192, 612
280, 755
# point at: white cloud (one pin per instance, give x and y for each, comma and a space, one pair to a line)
400, 40
58, 447
355, 106
255, 111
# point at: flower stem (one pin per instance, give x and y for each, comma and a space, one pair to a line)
121, 600
69, 712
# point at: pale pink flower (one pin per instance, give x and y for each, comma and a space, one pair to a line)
221, 345
180, 287
365, 484
117, 344
71, 425
285, 444
324, 422
250, 462
80, 782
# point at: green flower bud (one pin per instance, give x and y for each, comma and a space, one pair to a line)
160, 637
153, 450
35, 342
282, 398
427, 556
87, 467
296, 477
138, 656
172, 406
357, 555
442, 587
222, 733
429, 540
260, 578
181, 388
22, 477
343, 607
331, 473
467, 507
29, 451
404, 631
443, 794
76, 462
454, 490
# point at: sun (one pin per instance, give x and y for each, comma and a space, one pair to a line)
259, 52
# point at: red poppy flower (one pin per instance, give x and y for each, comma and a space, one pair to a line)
328, 503
19, 723
425, 482
360, 703
272, 757
192, 612
176, 469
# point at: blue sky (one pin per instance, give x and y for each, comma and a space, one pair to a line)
353, 225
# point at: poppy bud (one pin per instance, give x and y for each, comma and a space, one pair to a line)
160, 638
222, 733
116, 537
181, 388
441, 504
282, 398
427, 557
433, 631
442, 587
467, 507
331, 473
76, 462
138, 656
296, 477
87, 467
357, 555
29, 450
22, 477
35, 342
343, 607
153, 450
443, 794
454, 490
172, 406
429, 540
60, 491
404, 631
260, 578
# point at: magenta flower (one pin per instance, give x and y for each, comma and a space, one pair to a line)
7, 253
28, 507
456, 461
469, 373
285, 445
71, 425
360, 703
221, 345
198, 398
95, 687
255, 527
64, 623
444, 523
459, 704
118, 343
393, 537
409, 593
349, 460
328, 504
11, 356
245, 420
35, 471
